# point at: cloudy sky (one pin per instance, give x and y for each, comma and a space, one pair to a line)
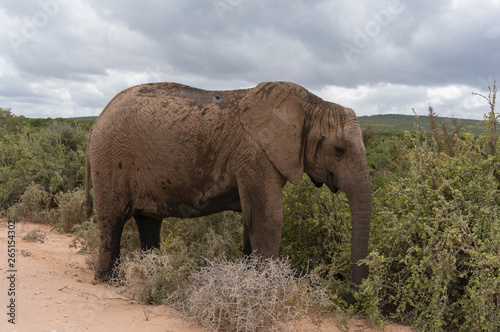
66, 58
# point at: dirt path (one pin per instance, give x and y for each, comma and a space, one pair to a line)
54, 291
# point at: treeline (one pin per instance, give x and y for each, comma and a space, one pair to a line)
47, 152
396, 124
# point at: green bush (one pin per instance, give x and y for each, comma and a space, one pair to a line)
216, 236
317, 234
434, 241
51, 156
316, 228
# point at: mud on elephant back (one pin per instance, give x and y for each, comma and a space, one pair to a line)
169, 150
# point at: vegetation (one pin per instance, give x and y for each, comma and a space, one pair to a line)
49, 153
435, 245
186, 246
434, 248
34, 236
252, 295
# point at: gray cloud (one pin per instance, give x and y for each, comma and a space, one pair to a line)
65, 58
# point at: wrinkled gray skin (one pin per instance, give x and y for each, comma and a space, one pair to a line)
169, 150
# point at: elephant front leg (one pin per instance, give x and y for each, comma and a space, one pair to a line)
262, 207
247, 245
264, 233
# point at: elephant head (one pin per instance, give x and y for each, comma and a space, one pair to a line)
302, 133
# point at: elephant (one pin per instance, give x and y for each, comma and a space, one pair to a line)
162, 150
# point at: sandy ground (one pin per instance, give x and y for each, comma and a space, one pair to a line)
54, 291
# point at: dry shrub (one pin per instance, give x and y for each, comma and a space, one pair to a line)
31, 204
87, 234
69, 209
34, 236
35, 205
155, 277
251, 295
245, 295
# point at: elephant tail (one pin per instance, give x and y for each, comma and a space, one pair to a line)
88, 204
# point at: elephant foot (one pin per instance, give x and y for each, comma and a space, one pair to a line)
349, 298
107, 276
102, 276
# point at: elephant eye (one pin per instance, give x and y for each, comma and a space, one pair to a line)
339, 151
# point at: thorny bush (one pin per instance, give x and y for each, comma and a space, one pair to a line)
435, 243
252, 295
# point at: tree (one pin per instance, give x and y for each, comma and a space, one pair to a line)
491, 120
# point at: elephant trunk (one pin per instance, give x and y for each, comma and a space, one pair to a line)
360, 202
361, 212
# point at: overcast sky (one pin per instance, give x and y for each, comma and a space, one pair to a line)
67, 58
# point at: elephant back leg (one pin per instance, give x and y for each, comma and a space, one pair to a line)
149, 232
112, 215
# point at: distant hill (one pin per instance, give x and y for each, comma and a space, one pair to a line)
392, 124
85, 118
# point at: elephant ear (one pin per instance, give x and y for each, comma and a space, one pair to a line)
272, 114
